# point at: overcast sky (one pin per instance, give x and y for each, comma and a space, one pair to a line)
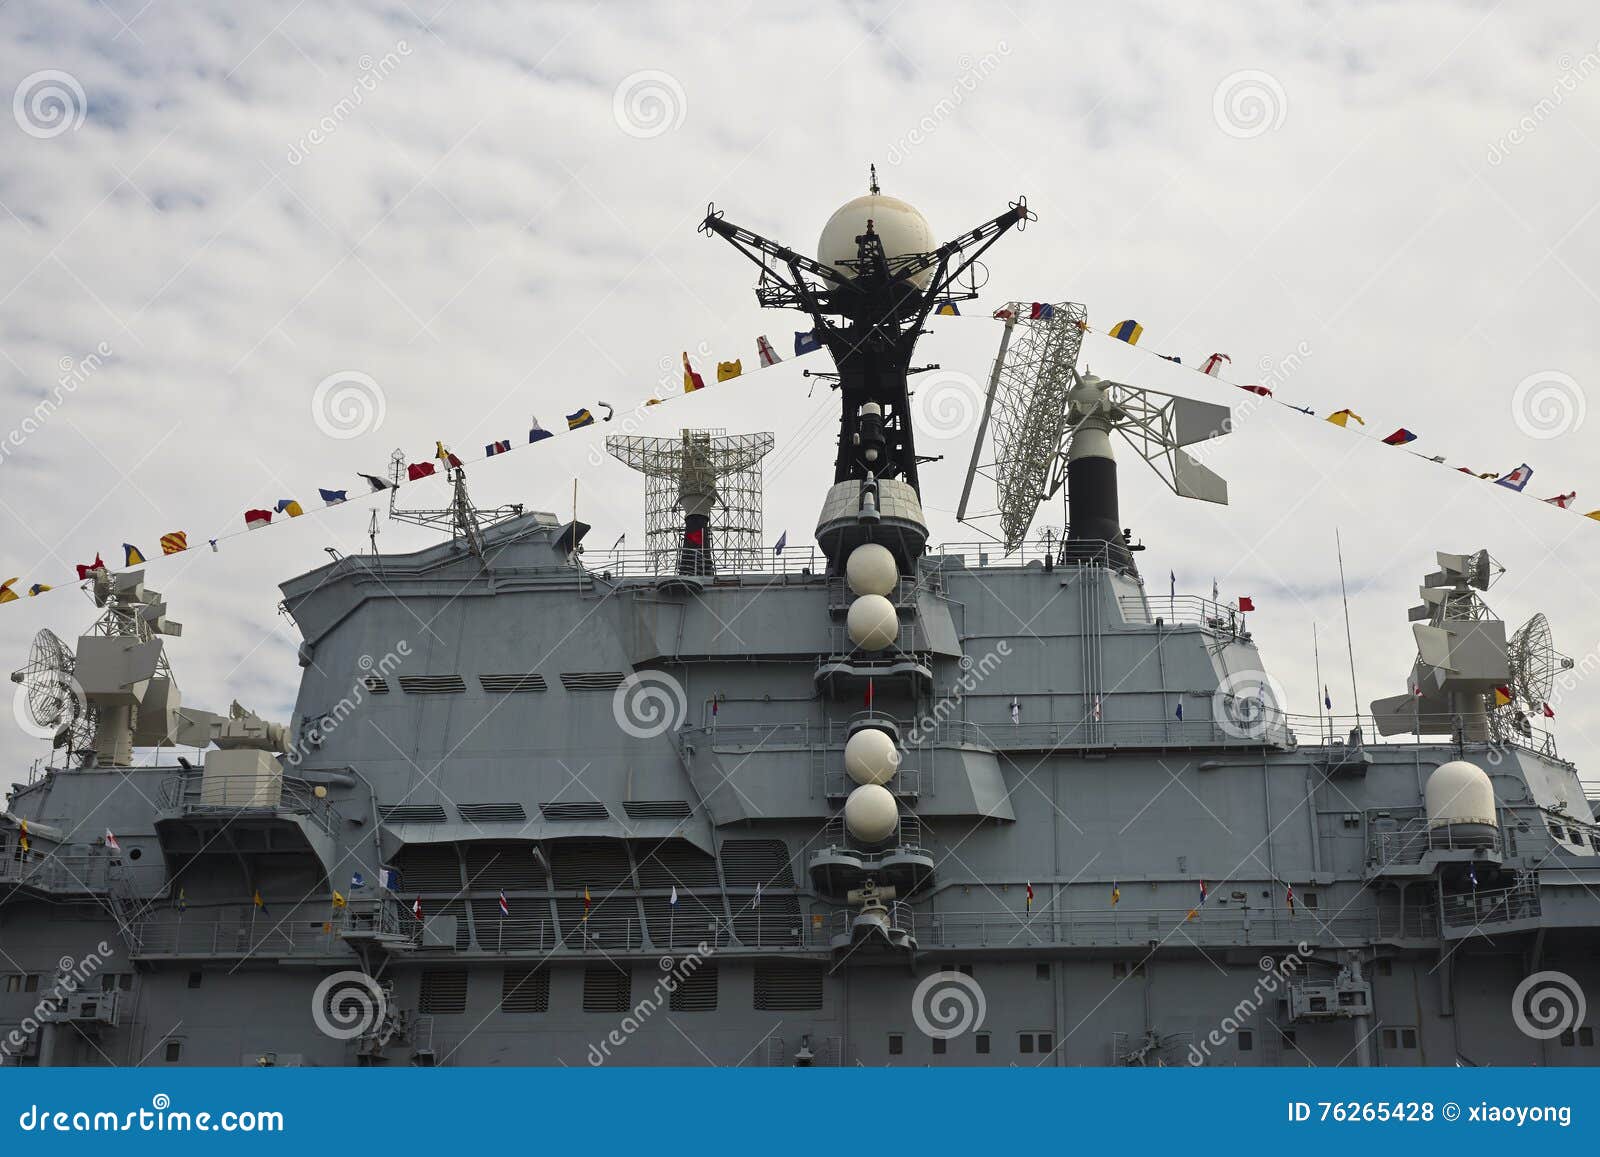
489, 211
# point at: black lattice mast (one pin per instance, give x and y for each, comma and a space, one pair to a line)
869, 318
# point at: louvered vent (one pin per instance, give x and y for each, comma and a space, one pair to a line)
695, 919
606, 990
411, 813
752, 862
525, 990
376, 685
657, 809
697, 990
591, 680
784, 986
612, 924
492, 813
432, 684
429, 868
528, 927
592, 864
444, 991
677, 862
775, 921
495, 864
590, 810
511, 684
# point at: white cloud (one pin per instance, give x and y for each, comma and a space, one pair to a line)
481, 238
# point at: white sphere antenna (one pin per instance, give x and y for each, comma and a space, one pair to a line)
899, 225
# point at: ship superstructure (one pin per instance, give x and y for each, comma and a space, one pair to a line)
872, 801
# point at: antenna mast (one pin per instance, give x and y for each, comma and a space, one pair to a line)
461, 518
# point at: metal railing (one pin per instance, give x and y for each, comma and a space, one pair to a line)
740, 568
84, 873
1171, 927
1501, 906
299, 933
1181, 610
184, 794
1409, 843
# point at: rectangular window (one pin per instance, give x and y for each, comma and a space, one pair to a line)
1025, 1042
30, 983
1119, 969
939, 1045
1041, 971
1586, 1036
607, 990
194, 979
982, 1042
1568, 1039
1310, 899
1385, 968
1247, 1040
14, 982
1408, 1038
1047, 1042
897, 1044
174, 1051
966, 969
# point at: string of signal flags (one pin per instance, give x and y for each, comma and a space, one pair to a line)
805, 342
1130, 331
285, 509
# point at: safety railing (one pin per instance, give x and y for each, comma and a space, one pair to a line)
1409, 843
186, 794
1499, 906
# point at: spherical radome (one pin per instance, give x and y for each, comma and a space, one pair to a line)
871, 813
870, 756
871, 570
901, 228
872, 623
1459, 792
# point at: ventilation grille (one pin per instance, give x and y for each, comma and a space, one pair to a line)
432, 684
697, 990
775, 921
376, 685
429, 868
591, 680
612, 924
510, 684
594, 864
444, 991
752, 862
657, 809
525, 990
606, 990
495, 864
574, 811
677, 863
694, 920
411, 813
788, 987
492, 813
528, 926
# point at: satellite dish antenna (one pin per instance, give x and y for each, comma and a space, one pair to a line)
56, 702
1533, 660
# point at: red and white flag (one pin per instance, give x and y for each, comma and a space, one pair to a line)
1562, 500
768, 355
505, 908
416, 908
111, 841
1213, 364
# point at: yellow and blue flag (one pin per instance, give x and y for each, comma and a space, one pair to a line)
7, 595
727, 370
131, 555
1128, 331
1344, 417
580, 419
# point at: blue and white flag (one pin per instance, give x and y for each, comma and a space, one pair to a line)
505, 908
805, 341
1518, 479
783, 541
333, 497
389, 878
357, 880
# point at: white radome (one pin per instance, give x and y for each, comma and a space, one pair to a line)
872, 623
1459, 792
902, 229
870, 757
871, 813
870, 569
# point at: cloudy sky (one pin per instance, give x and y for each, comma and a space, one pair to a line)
467, 214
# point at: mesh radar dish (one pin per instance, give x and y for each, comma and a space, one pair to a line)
55, 701
1534, 661
702, 486
1026, 407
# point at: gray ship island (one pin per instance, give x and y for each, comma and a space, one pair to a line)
872, 801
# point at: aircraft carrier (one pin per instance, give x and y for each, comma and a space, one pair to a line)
865, 800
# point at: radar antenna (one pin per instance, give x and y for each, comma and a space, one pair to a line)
461, 518
55, 700
691, 478
1534, 661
